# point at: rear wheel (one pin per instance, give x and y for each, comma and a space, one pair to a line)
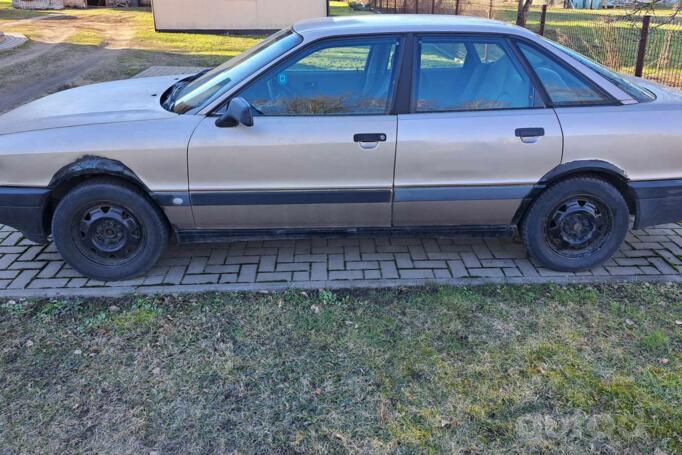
108, 230
576, 224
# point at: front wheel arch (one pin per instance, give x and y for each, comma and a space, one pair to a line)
89, 168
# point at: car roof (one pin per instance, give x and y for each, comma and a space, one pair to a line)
402, 23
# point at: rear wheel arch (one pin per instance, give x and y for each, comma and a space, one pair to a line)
602, 170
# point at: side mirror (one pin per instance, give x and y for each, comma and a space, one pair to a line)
238, 112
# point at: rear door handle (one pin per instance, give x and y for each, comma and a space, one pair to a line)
370, 137
530, 132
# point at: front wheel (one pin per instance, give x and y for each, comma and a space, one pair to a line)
108, 230
576, 224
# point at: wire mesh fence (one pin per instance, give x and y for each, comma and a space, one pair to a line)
648, 46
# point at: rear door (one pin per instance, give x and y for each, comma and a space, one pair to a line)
479, 134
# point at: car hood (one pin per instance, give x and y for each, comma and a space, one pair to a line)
119, 101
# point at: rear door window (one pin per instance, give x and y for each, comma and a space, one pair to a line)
468, 74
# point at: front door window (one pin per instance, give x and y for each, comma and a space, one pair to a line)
338, 77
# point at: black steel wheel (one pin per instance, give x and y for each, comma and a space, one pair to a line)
109, 230
108, 233
576, 224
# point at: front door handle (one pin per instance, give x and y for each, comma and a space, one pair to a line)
370, 137
530, 132
530, 135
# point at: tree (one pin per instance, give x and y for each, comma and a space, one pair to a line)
522, 12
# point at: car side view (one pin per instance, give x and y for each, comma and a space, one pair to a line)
363, 124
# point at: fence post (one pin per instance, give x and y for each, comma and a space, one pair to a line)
416, 6
543, 19
395, 6
433, 6
490, 9
641, 52
456, 7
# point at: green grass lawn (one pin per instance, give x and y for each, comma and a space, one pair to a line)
429, 370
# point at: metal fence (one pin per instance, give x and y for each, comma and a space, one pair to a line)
642, 45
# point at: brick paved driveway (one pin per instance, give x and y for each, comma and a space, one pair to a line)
27, 269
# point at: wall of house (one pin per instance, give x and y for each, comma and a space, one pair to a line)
233, 14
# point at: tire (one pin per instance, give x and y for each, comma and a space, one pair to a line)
576, 225
109, 230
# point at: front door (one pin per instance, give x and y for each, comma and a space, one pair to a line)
321, 153
478, 136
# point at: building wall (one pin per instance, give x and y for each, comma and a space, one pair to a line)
233, 14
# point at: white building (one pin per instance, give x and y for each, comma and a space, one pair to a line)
233, 15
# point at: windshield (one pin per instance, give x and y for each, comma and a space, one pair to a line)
193, 93
635, 91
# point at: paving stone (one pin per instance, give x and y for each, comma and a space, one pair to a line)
77, 282
352, 253
377, 257
471, 260
222, 269
31, 253
8, 274
417, 253
372, 274
217, 257
512, 271
318, 272
267, 263
416, 274
273, 276
457, 269
175, 275
346, 275
526, 268
208, 278
23, 279
23, 265
486, 272
310, 258
301, 276
389, 271
442, 273
662, 266
293, 267
51, 269
228, 278
197, 265
362, 265
247, 274
430, 264
153, 280
403, 260
337, 262
444, 255
45, 283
